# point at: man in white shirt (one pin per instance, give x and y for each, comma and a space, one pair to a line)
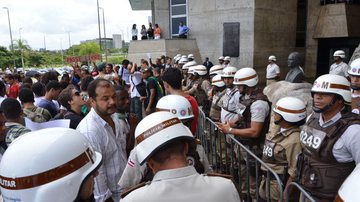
103, 130
135, 78
339, 67
272, 71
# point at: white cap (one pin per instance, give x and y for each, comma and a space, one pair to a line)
188, 64
177, 105
354, 69
201, 70
291, 109
191, 56
272, 57
246, 76
155, 131
221, 58
333, 84
339, 53
47, 165
216, 69
229, 72
227, 58
217, 81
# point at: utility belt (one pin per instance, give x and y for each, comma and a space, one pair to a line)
283, 177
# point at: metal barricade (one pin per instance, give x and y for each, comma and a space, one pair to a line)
304, 196
229, 156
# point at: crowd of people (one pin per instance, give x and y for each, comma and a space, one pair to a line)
138, 123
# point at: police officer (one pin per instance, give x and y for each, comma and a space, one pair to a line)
36, 168
221, 61
354, 73
339, 67
231, 97
254, 107
281, 150
253, 117
163, 143
135, 173
218, 91
185, 69
272, 70
200, 88
330, 139
227, 60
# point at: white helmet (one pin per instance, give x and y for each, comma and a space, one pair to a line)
229, 72
191, 56
188, 64
354, 69
177, 56
339, 53
157, 129
191, 70
246, 76
291, 109
177, 59
217, 81
183, 60
177, 105
221, 58
227, 58
216, 69
334, 84
47, 165
201, 70
272, 57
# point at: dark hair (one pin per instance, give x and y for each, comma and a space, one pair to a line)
53, 85
175, 146
173, 77
125, 62
25, 85
65, 96
64, 84
26, 95
11, 108
39, 89
85, 82
9, 76
49, 76
27, 80
109, 64
146, 62
95, 84
156, 25
2, 89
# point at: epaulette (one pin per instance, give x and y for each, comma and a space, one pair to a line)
219, 175
135, 187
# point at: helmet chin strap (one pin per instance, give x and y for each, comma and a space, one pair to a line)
355, 87
327, 107
278, 121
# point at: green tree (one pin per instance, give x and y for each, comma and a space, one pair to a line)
5, 57
89, 48
36, 59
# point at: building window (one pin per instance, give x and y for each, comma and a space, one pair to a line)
301, 23
178, 13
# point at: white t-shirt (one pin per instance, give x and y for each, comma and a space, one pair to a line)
272, 70
340, 69
135, 79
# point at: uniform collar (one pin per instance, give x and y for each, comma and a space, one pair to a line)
286, 132
174, 173
329, 122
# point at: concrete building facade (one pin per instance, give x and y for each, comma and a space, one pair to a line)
252, 30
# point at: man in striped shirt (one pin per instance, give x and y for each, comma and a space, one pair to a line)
103, 129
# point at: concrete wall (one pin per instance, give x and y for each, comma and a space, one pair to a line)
170, 47
206, 24
275, 33
161, 16
311, 42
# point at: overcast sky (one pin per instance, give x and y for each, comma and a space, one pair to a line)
54, 18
